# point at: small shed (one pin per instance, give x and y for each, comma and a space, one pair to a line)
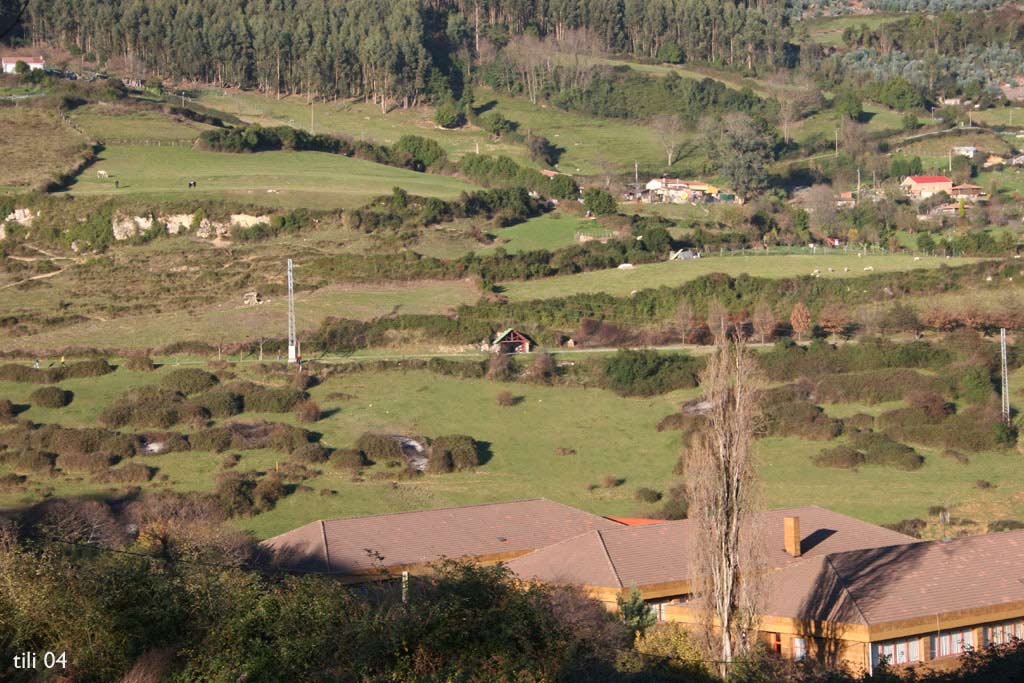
511, 341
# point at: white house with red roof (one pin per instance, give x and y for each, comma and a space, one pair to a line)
924, 186
10, 63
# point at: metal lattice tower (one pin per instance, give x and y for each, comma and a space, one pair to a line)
293, 354
1005, 377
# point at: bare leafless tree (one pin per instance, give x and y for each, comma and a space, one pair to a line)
764, 320
685, 319
669, 128
724, 495
718, 320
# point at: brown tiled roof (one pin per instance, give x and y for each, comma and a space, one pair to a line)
661, 553
906, 581
361, 544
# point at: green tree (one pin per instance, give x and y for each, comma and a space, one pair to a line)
448, 116
636, 614
600, 202
740, 150
848, 104
21, 68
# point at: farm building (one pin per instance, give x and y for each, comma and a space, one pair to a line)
967, 191
675, 191
839, 590
10, 63
924, 186
511, 341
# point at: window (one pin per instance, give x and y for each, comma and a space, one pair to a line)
775, 642
1006, 632
799, 649
952, 643
902, 651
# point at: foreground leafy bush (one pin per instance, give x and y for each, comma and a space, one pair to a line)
188, 381
458, 449
50, 397
844, 457
879, 449
379, 447
648, 373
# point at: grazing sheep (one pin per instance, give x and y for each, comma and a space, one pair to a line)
831, 270
845, 269
869, 268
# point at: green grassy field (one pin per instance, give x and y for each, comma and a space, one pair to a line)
829, 30
674, 273
106, 122
1001, 116
287, 179
611, 436
880, 119
360, 120
551, 231
940, 145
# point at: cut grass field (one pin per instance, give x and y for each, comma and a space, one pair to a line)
551, 231
611, 436
105, 122
34, 146
286, 179
674, 273
829, 30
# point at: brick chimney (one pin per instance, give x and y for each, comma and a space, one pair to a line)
791, 535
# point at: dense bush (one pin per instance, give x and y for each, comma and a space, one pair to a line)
6, 409
66, 440
844, 457
875, 386
910, 527
13, 372
218, 402
85, 462
95, 367
800, 418
379, 447
647, 495
129, 473
50, 397
348, 459
214, 439
267, 492
647, 372
307, 411
460, 450
188, 381
262, 399
1004, 525
310, 453
28, 461
139, 363
879, 449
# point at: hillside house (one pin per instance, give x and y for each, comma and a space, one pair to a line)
839, 590
925, 186
666, 190
968, 152
973, 193
10, 63
511, 341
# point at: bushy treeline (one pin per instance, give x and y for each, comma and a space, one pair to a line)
401, 210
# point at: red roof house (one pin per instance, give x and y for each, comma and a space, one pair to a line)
924, 186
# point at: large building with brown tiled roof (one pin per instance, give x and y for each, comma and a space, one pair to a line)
838, 589
361, 548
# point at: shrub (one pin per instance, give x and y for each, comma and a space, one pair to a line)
260, 399
458, 449
230, 460
218, 402
6, 409
32, 461
983, 484
610, 481
956, 455
188, 381
114, 416
802, 419
379, 447
85, 462
879, 449
310, 453
843, 457
308, 411
130, 473
50, 397
139, 363
439, 462
860, 422
648, 495
1004, 525
599, 201
95, 367
214, 439
909, 527
506, 399
647, 372
676, 505
287, 438
11, 482
874, 386
235, 495
348, 459
267, 492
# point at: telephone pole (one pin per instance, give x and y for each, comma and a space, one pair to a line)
292, 345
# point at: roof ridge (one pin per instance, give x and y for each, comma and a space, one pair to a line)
842, 582
456, 507
608, 557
